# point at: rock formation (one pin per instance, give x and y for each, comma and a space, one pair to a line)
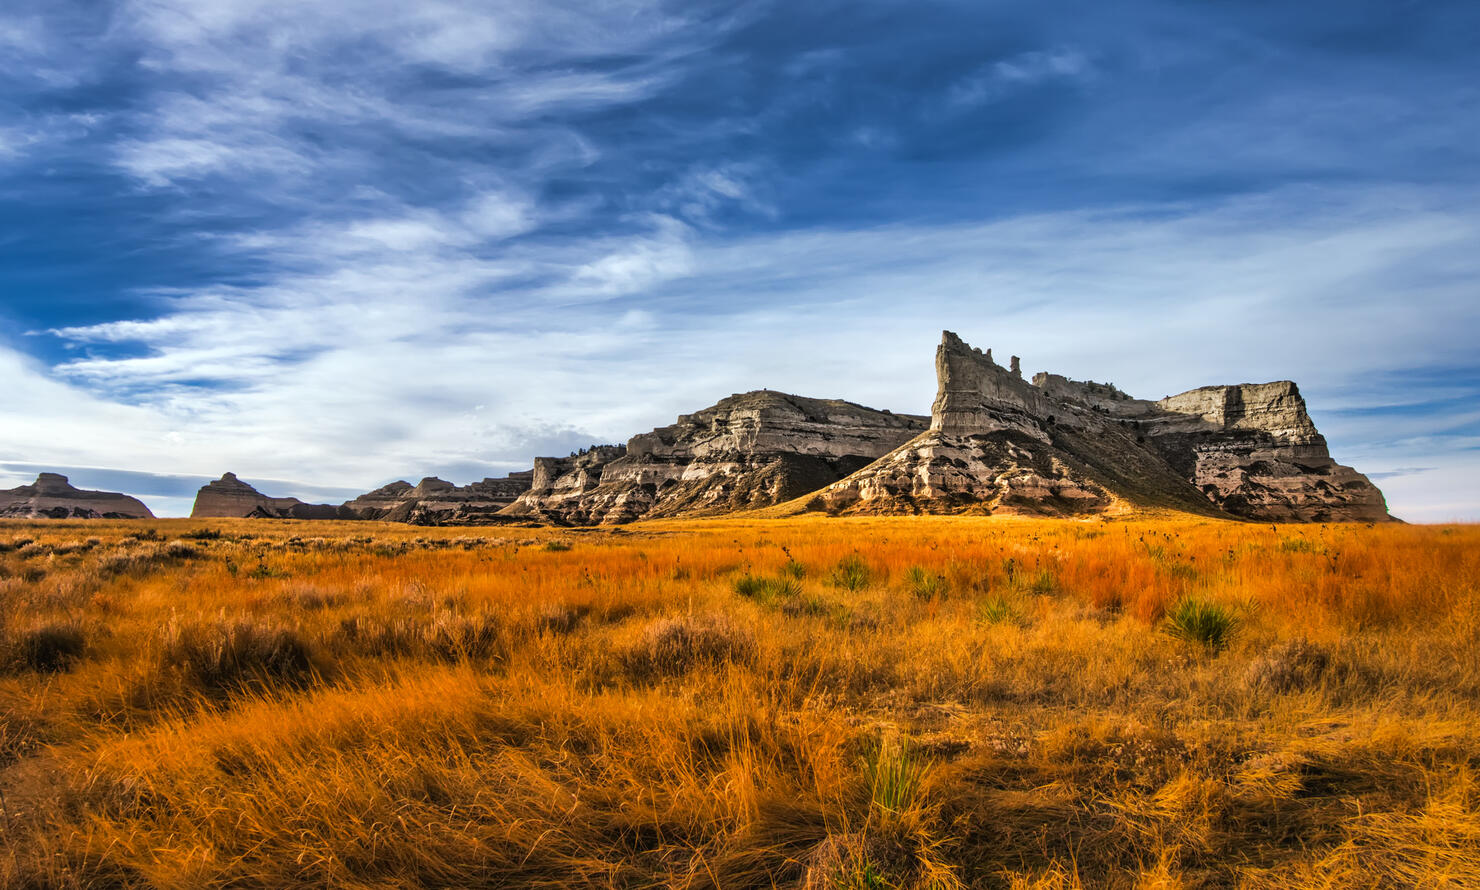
1055, 446
229, 497
750, 450
51, 496
434, 501
431, 502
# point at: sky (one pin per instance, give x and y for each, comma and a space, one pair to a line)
333, 243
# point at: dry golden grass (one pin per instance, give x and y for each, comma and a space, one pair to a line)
820, 703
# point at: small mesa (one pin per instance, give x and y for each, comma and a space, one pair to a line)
51, 496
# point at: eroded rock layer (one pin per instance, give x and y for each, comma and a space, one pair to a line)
750, 450
434, 501
998, 443
229, 497
51, 496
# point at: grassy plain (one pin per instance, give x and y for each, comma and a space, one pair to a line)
821, 703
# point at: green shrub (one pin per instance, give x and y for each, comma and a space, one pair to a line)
557, 546
1200, 621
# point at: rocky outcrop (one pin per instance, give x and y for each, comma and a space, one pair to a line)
1253, 450
750, 450
434, 501
1000, 444
229, 497
51, 496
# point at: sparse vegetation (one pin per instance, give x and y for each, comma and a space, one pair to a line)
938, 703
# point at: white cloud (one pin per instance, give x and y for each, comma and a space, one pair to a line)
1004, 77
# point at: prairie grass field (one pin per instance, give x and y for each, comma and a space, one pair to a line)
916, 702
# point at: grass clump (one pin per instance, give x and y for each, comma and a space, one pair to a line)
1200, 621
1289, 667
557, 546
925, 584
851, 573
48, 648
446, 636
764, 589
673, 646
895, 773
996, 610
227, 657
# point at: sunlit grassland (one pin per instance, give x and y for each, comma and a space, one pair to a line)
815, 702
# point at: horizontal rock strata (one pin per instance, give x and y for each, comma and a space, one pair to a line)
750, 450
51, 496
1054, 446
433, 501
229, 497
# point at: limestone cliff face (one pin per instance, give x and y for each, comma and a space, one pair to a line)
435, 501
51, 496
749, 450
229, 497
1057, 446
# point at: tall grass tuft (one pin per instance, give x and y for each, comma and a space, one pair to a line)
227, 657
851, 573
995, 610
895, 773
48, 648
925, 584
765, 589
1200, 621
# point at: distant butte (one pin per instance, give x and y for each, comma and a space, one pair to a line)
51, 496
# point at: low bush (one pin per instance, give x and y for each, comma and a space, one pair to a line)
765, 589
444, 636
925, 584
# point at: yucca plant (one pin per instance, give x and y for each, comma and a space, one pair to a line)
1200, 621
895, 773
995, 610
925, 584
852, 573
764, 589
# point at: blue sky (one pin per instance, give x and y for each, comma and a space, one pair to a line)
330, 244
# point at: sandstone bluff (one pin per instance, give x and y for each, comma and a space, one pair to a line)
999, 443
51, 496
994, 443
751, 450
